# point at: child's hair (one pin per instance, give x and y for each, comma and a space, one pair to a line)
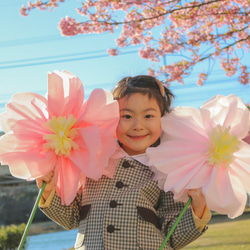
147, 85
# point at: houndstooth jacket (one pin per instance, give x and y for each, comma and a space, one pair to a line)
127, 212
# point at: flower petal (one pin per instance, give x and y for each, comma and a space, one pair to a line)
171, 155
24, 106
25, 156
67, 177
183, 123
100, 109
225, 193
65, 94
96, 147
227, 111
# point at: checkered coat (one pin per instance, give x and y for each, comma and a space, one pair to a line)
128, 212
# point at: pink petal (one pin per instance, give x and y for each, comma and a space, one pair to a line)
96, 147
186, 177
23, 106
242, 157
85, 159
108, 148
241, 167
113, 162
100, 109
67, 177
65, 94
29, 165
225, 193
171, 155
226, 111
25, 156
183, 123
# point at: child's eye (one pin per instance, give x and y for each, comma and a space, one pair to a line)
148, 116
126, 116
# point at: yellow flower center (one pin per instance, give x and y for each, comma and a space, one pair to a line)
222, 145
62, 138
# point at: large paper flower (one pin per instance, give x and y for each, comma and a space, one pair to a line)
204, 148
61, 133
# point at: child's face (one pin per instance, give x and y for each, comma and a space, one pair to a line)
140, 123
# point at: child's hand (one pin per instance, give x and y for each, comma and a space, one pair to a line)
50, 184
198, 201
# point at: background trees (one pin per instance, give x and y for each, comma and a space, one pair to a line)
196, 31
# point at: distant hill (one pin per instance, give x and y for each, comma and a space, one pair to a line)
4, 169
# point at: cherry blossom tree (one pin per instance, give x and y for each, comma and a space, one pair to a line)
196, 30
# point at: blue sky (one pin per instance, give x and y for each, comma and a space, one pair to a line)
31, 46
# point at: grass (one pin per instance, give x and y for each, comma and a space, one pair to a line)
225, 233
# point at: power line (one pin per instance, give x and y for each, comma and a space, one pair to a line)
51, 57
43, 39
60, 60
25, 41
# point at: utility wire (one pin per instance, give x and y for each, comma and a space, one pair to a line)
31, 63
51, 57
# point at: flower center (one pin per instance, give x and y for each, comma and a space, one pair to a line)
221, 147
62, 138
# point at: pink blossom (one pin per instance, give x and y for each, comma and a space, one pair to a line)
202, 78
68, 26
23, 11
60, 133
185, 29
151, 72
244, 76
204, 149
113, 52
230, 66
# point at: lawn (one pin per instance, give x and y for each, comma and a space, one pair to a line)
224, 233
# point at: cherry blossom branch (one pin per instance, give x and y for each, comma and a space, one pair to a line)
193, 26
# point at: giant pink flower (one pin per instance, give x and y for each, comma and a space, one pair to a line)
61, 133
204, 148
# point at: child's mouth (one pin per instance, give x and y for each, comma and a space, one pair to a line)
137, 137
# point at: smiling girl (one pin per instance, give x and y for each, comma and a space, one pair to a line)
130, 211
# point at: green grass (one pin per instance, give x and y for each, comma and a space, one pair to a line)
224, 233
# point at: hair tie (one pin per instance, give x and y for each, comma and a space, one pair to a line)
161, 87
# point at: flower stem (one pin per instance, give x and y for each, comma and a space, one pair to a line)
31, 217
176, 223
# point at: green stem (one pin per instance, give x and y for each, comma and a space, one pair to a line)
31, 217
176, 223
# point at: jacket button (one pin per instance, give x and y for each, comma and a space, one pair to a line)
119, 184
113, 204
126, 164
110, 229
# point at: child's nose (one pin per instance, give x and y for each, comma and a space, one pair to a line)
138, 124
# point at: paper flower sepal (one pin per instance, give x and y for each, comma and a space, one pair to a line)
61, 133
204, 148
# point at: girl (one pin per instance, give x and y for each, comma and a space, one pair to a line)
129, 211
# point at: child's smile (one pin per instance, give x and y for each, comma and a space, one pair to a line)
140, 123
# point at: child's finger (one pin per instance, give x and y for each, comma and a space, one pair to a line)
47, 178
